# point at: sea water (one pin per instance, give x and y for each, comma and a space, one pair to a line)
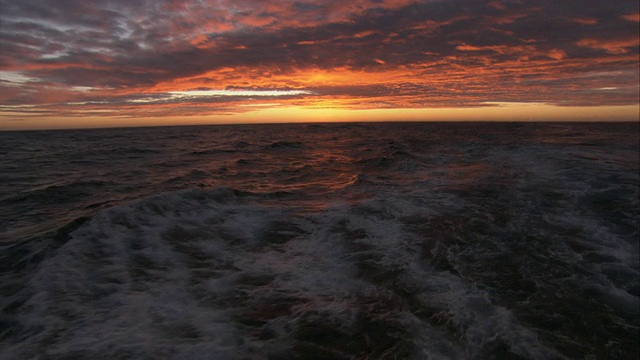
333, 241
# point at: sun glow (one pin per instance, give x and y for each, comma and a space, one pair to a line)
208, 93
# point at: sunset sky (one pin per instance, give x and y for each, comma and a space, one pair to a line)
90, 63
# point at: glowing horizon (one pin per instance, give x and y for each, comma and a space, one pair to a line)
95, 64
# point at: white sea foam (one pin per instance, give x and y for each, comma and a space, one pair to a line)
190, 272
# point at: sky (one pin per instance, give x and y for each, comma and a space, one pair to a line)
96, 63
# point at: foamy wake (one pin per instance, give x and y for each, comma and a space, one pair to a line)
201, 275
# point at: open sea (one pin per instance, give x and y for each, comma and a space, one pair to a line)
321, 241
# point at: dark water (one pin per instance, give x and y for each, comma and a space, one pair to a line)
419, 241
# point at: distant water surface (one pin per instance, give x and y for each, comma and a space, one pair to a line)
334, 241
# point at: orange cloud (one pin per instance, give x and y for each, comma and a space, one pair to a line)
615, 46
585, 21
125, 60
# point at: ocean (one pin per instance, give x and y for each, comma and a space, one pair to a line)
321, 241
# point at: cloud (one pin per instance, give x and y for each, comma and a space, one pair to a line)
616, 46
359, 54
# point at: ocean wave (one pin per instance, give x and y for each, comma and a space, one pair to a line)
389, 240
59, 192
197, 270
287, 145
214, 151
